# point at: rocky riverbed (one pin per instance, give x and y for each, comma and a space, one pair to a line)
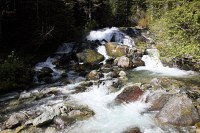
105, 84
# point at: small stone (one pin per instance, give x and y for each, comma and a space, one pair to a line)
122, 74
93, 75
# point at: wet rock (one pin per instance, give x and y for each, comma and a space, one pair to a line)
79, 89
130, 94
81, 113
137, 63
90, 56
93, 75
78, 112
14, 120
46, 117
158, 100
115, 50
124, 62
45, 72
179, 110
133, 130
187, 63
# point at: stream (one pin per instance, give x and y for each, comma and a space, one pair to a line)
108, 117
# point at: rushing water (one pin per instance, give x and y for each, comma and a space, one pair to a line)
111, 34
109, 117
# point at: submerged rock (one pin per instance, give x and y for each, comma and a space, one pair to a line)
179, 110
130, 94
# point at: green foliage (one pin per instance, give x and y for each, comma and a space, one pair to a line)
14, 73
90, 25
178, 31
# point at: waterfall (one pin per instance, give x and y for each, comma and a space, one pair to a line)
153, 64
111, 35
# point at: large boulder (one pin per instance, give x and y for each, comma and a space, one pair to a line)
179, 110
130, 94
14, 120
158, 100
90, 56
46, 117
124, 62
116, 50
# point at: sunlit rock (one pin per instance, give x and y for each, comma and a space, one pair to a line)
90, 56
179, 110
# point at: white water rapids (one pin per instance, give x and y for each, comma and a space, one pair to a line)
153, 64
111, 33
110, 118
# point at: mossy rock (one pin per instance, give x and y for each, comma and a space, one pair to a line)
115, 50
90, 56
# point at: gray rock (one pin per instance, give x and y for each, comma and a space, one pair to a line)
179, 110
158, 100
25, 95
124, 62
93, 75
46, 117
14, 120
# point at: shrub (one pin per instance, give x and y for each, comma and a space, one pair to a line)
178, 31
14, 74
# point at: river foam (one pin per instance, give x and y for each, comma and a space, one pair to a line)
110, 118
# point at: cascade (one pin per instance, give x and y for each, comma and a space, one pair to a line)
153, 64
